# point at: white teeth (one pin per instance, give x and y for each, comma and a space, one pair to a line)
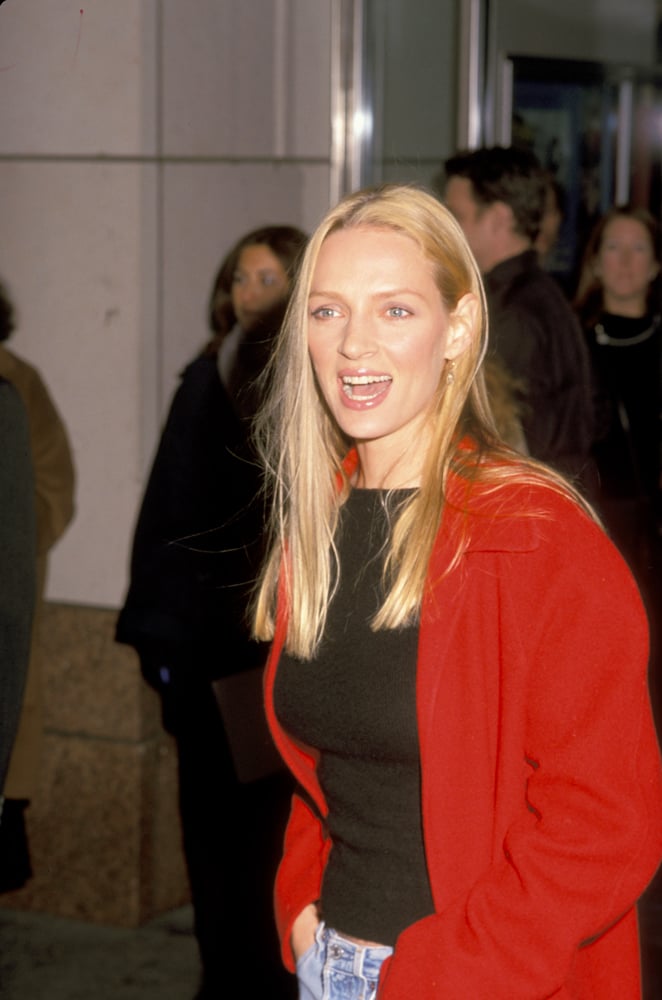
364, 379
351, 382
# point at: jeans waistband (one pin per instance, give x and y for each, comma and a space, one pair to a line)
351, 953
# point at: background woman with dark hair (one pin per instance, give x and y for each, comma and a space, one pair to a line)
226, 304
196, 552
619, 307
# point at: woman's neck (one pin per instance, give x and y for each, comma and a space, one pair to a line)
631, 308
377, 469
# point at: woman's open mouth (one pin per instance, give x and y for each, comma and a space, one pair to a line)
365, 388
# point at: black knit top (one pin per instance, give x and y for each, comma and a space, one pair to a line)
356, 703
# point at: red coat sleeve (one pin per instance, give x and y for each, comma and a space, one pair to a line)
299, 878
306, 845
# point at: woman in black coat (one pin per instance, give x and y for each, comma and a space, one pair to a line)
197, 547
618, 303
619, 308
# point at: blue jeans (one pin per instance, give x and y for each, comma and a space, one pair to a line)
334, 968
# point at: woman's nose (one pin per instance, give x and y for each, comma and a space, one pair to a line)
357, 339
248, 292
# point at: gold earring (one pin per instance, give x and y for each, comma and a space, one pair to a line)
450, 377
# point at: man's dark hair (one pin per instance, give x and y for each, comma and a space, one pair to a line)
504, 173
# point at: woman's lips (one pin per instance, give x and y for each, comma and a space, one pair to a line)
365, 390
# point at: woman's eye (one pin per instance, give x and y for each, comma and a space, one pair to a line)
398, 312
324, 312
268, 280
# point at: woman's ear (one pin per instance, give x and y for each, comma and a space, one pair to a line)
463, 326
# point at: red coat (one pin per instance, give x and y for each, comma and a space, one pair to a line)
541, 779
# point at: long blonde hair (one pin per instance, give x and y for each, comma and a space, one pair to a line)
303, 448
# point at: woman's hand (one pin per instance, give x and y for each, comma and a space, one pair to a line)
303, 930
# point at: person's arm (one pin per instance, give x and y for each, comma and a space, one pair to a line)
299, 879
17, 564
162, 606
584, 836
54, 474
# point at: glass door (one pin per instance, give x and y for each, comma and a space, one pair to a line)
597, 128
395, 90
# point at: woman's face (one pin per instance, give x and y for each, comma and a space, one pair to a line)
259, 283
379, 337
626, 265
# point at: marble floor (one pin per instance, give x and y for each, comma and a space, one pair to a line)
51, 958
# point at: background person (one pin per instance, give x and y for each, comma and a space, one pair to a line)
619, 308
54, 490
498, 196
455, 644
196, 552
618, 303
551, 221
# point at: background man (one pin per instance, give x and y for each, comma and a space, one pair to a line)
498, 197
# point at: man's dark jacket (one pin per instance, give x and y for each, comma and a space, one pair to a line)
538, 338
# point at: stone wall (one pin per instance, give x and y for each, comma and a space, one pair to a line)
104, 826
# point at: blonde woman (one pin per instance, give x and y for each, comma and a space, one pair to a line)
458, 670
